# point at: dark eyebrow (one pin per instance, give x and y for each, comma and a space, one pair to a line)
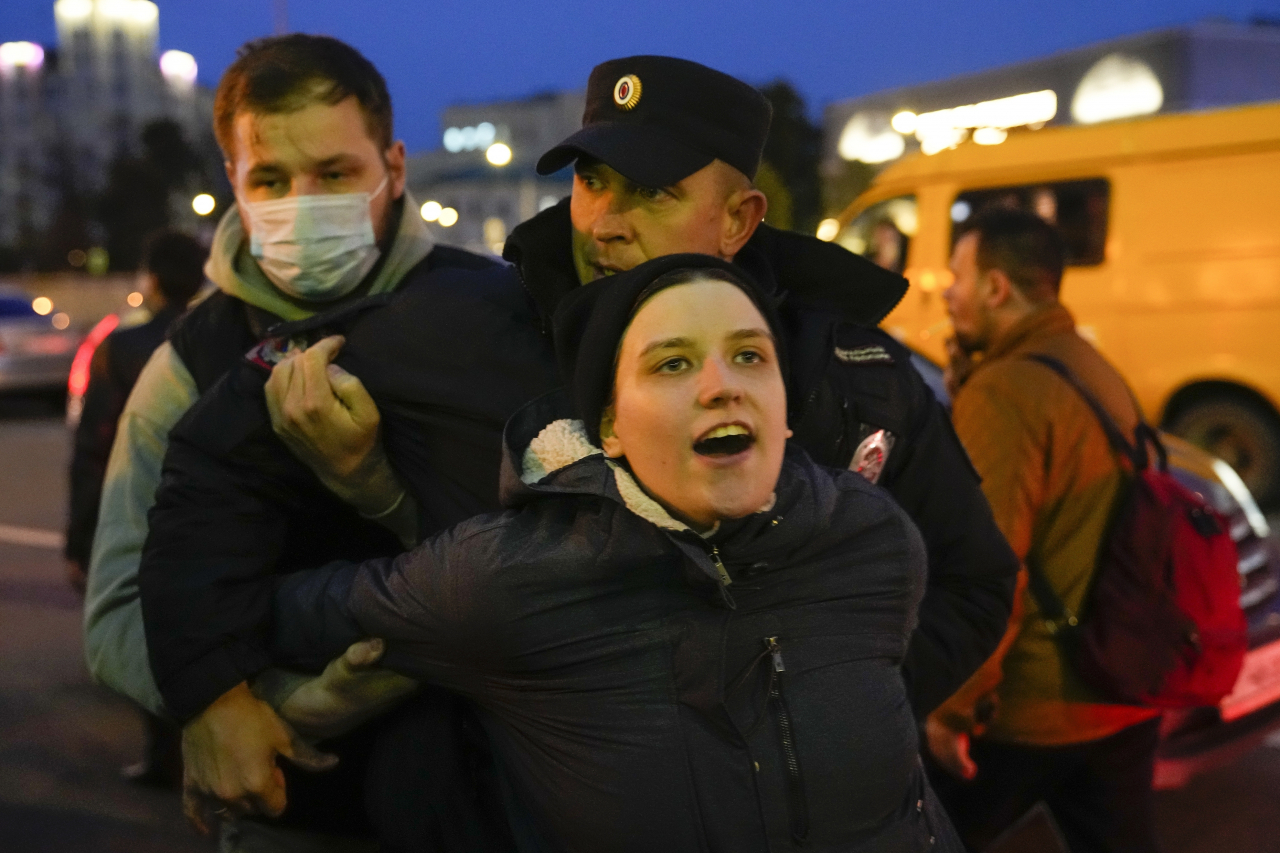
743, 334
669, 343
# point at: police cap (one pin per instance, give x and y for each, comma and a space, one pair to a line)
658, 119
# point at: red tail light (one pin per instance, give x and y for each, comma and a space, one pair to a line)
78, 381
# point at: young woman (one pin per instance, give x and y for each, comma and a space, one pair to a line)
683, 635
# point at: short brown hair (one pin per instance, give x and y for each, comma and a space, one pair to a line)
280, 74
1023, 246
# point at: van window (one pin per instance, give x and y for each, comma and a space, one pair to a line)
1078, 208
882, 233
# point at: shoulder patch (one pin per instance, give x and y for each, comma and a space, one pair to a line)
873, 354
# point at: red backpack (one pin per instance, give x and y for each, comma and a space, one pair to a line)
1162, 624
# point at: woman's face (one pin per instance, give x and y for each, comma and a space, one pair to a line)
700, 409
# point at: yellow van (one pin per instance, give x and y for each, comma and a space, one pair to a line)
1172, 226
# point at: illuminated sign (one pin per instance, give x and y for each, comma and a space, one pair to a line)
178, 67
1117, 87
469, 138
21, 54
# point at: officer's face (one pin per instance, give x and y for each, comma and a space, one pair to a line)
700, 410
967, 297
317, 150
618, 224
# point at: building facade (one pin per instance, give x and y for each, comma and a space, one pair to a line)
481, 182
1204, 66
67, 111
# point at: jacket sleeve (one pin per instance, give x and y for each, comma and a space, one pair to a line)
435, 606
972, 570
104, 401
232, 508
115, 644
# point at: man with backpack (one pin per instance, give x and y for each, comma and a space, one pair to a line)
1055, 484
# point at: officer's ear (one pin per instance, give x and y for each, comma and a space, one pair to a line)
743, 212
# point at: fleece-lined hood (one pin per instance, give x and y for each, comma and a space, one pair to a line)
821, 276
236, 273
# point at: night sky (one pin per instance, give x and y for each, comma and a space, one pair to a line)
434, 54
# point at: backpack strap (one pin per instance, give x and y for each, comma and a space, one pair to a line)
1143, 434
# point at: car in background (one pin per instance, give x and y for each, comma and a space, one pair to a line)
35, 354
1198, 739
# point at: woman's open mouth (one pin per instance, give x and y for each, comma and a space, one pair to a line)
727, 440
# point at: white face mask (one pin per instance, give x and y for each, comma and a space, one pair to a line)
314, 247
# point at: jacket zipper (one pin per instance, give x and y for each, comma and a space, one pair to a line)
797, 803
723, 573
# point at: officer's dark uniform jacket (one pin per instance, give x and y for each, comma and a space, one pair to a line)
635, 700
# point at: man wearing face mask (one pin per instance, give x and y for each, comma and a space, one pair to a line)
322, 229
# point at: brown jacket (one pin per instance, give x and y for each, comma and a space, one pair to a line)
1053, 481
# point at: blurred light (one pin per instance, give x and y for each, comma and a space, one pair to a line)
448, 216
97, 260
499, 154
73, 10
1117, 87
941, 140
469, 138
61, 320
21, 54
990, 135
904, 122
203, 204
960, 211
42, 305
495, 233
547, 201
76, 257
178, 66
78, 381
139, 11
942, 129
134, 299
431, 211
868, 138
828, 229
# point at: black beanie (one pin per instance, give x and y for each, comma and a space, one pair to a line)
589, 324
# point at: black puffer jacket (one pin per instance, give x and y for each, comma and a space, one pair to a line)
635, 700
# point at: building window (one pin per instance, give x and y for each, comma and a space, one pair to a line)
1079, 209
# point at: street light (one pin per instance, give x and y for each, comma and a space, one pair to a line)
203, 204
431, 211
499, 154
448, 216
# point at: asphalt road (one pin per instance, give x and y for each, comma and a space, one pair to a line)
63, 739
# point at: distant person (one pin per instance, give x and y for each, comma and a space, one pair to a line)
172, 272
1053, 481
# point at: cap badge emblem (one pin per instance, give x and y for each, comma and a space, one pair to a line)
626, 92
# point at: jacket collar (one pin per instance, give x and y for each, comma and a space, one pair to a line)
1052, 319
818, 275
546, 453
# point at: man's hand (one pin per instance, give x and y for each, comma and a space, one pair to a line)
323, 413
950, 748
349, 691
229, 759
327, 419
